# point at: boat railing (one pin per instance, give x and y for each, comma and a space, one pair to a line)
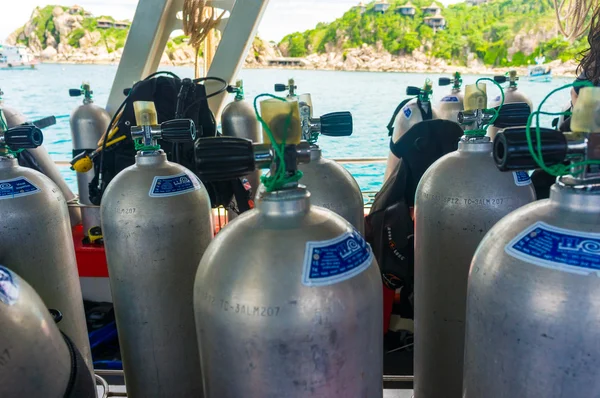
368, 196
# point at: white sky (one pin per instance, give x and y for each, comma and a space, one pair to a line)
282, 16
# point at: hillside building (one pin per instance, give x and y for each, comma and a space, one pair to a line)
407, 10
381, 6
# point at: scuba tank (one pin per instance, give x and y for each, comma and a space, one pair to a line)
288, 295
88, 124
44, 163
451, 104
511, 95
330, 184
157, 222
533, 286
36, 359
458, 199
239, 120
407, 114
35, 236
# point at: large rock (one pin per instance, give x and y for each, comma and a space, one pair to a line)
89, 39
49, 53
352, 63
65, 24
57, 11
50, 40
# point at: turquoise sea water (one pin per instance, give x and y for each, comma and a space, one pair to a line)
370, 96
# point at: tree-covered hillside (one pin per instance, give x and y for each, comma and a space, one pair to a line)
499, 33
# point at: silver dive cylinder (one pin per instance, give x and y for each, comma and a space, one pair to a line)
238, 119
409, 116
331, 186
453, 103
288, 296
512, 95
156, 222
36, 359
460, 197
46, 164
88, 123
35, 235
532, 319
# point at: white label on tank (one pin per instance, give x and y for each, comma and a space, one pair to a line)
450, 98
407, 112
17, 187
336, 260
557, 248
9, 288
521, 178
179, 184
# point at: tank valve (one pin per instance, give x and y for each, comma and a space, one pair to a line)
84, 90
581, 147
512, 78
227, 158
24, 136
475, 102
456, 81
290, 88
511, 149
149, 131
424, 93
335, 124
238, 90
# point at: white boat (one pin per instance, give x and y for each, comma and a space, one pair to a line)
540, 72
16, 57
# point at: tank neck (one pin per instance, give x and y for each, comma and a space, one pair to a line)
315, 153
475, 144
292, 202
576, 198
153, 158
8, 162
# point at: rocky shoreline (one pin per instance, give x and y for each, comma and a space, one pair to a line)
365, 59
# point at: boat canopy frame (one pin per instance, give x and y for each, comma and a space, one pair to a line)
153, 24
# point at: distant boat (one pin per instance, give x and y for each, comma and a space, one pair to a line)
16, 57
540, 72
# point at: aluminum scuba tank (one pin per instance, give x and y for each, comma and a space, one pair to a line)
35, 237
458, 200
408, 116
288, 293
36, 359
157, 222
44, 161
511, 95
239, 120
88, 123
450, 105
330, 184
533, 284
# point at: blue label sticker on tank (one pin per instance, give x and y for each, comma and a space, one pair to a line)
9, 288
17, 187
336, 260
173, 185
521, 178
450, 98
498, 98
407, 112
558, 248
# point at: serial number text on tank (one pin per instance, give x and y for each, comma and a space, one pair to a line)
457, 201
242, 309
